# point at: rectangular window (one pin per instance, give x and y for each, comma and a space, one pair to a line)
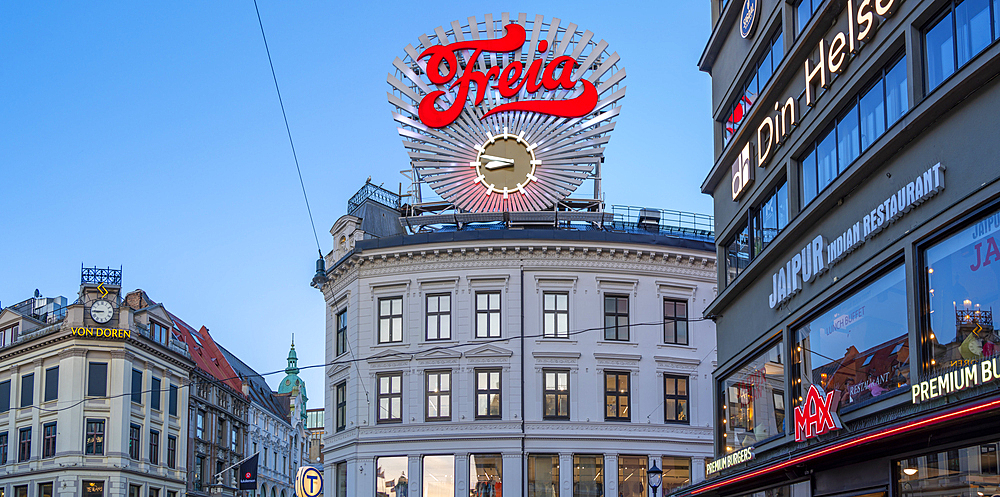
133, 441
234, 438
341, 392
675, 322
27, 390
859, 347
24, 444
616, 396
200, 425
485, 474
973, 467
960, 276
9, 335
675, 399
488, 393
199, 472
51, 384
487, 314
746, 403
543, 475
3, 448
439, 317
390, 397
964, 29
389, 471
4, 396
94, 441
342, 332
439, 476
135, 491
390, 320
616, 325
588, 475
760, 74
676, 473
137, 386
48, 440
155, 394
97, 379
154, 447
438, 395
555, 401
866, 118
21, 491
341, 469
632, 476
220, 431
172, 400
45, 490
158, 332
171, 452
555, 315
803, 13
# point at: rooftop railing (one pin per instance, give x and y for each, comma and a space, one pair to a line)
376, 193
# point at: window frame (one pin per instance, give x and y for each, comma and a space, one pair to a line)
154, 446
487, 391
51, 380
617, 395
90, 379
24, 444
439, 316
617, 314
4, 446
172, 451
340, 414
49, 433
555, 393
949, 10
199, 427
134, 439
172, 399
95, 443
677, 397
677, 319
27, 390
555, 313
155, 393
390, 317
5, 400
136, 395
489, 311
391, 396
341, 338
438, 395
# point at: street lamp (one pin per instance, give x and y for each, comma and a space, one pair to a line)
655, 477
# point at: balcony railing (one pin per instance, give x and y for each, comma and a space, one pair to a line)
376, 193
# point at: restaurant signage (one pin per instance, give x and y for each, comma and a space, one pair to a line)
506, 115
811, 262
972, 375
730, 460
817, 415
833, 56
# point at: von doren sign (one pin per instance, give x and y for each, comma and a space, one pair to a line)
508, 114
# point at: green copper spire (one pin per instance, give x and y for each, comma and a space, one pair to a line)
292, 380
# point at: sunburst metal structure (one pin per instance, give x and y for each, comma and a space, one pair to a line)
568, 150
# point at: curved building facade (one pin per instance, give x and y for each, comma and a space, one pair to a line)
544, 362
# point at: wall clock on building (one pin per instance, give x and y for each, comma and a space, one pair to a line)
102, 311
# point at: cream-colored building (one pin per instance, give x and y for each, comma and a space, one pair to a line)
92, 412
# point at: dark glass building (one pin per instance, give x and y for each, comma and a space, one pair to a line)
857, 211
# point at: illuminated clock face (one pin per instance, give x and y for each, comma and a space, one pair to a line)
505, 164
102, 311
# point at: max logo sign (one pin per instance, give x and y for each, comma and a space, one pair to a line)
815, 416
442, 69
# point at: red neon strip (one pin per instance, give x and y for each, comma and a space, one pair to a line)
851, 443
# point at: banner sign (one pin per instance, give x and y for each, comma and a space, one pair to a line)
248, 473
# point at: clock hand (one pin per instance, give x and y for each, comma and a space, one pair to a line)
498, 165
495, 158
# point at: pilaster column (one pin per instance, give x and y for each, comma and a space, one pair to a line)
565, 474
611, 474
513, 475
697, 469
361, 476
415, 484
462, 475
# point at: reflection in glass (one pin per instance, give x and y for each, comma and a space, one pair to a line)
676, 473
632, 476
543, 475
439, 476
859, 348
588, 475
485, 475
939, 44
390, 477
968, 471
748, 409
963, 287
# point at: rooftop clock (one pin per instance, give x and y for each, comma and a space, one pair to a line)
102, 311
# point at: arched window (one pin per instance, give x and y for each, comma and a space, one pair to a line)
273, 493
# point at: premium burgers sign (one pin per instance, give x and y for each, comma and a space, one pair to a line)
506, 114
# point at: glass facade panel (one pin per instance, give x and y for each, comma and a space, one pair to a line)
341, 488
963, 289
896, 97
543, 475
967, 471
872, 114
676, 473
859, 347
632, 476
848, 141
439, 476
748, 406
485, 475
972, 28
390, 476
588, 475
939, 43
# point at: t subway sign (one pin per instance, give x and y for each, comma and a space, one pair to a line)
508, 114
833, 55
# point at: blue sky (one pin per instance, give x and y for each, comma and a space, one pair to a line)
148, 135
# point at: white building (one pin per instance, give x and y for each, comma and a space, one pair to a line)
432, 391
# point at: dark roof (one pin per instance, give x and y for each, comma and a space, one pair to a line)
538, 234
260, 392
206, 354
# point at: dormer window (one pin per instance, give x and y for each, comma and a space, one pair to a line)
158, 332
9, 334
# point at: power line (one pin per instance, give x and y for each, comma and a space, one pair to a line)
288, 129
355, 360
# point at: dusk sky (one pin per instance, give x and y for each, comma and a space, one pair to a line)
149, 136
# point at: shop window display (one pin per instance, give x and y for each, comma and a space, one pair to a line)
439, 476
858, 348
966, 471
543, 475
588, 475
390, 476
485, 475
963, 287
748, 407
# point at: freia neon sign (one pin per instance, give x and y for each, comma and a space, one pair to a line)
509, 80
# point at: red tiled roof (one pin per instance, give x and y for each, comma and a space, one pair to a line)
206, 353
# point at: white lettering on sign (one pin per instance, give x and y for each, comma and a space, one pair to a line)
729, 460
742, 172
953, 381
804, 266
815, 416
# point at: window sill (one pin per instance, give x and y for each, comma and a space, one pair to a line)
674, 346
560, 341
618, 343
386, 345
